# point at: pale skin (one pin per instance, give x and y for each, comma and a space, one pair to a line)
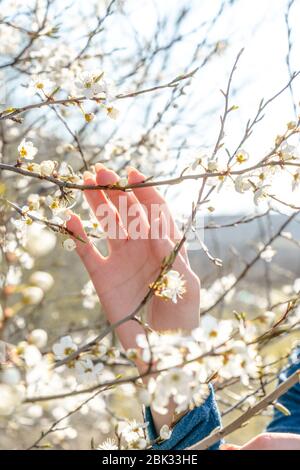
269, 441
122, 278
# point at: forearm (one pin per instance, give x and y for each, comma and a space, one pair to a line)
127, 334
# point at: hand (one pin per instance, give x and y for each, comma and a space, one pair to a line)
269, 441
122, 279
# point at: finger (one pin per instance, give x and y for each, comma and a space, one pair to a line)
267, 441
125, 203
154, 201
162, 245
162, 248
229, 447
105, 213
106, 177
88, 253
93, 197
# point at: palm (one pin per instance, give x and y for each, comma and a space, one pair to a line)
122, 279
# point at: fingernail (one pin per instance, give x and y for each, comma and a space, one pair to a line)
227, 447
129, 169
87, 174
100, 166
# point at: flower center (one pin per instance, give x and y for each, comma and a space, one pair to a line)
23, 152
68, 351
213, 334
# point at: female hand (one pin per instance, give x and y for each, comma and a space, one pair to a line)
122, 278
269, 441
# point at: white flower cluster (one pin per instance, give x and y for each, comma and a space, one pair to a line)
27, 151
33, 375
153, 150
88, 367
259, 180
93, 83
132, 435
27, 355
216, 347
184, 365
216, 289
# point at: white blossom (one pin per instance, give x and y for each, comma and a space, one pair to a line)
144, 396
213, 166
32, 295
33, 201
11, 397
268, 254
165, 432
288, 151
132, 431
35, 411
212, 331
69, 244
34, 167
296, 285
243, 363
108, 444
53, 203
171, 286
38, 337
241, 156
41, 375
86, 371
47, 167
40, 241
90, 298
260, 194
10, 375
140, 443
64, 348
39, 83
242, 184
27, 150
109, 89
31, 354
112, 112
90, 83
42, 279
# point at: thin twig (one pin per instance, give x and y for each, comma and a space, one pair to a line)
237, 423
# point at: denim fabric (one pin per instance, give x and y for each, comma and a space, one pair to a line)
291, 400
193, 427
201, 421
